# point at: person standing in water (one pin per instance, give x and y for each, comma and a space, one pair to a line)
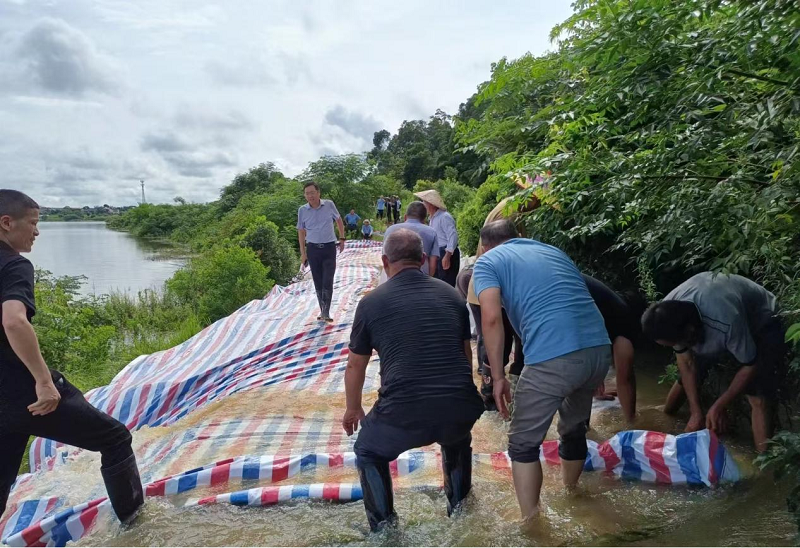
565, 345
420, 329
35, 400
318, 244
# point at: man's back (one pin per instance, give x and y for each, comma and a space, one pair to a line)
733, 309
419, 326
430, 245
545, 297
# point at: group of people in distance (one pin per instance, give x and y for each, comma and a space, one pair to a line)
389, 207
559, 329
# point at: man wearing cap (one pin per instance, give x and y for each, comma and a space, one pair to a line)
318, 244
415, 221
445, 226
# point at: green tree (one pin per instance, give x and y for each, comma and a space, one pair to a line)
259, 179
274, 252
221, 280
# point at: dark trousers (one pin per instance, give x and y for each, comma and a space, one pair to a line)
451, 273
322, 262
511, 339
380, 441
74, 422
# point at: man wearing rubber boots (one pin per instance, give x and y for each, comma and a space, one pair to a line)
318, 244
566, 348
707, 319
420, 328
36, 401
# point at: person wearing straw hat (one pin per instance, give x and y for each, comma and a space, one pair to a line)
445, 226
366, 229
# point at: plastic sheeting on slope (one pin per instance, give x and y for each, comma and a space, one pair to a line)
275, 342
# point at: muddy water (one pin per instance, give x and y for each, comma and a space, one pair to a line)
605, 511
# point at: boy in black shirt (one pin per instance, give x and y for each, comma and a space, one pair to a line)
36, 401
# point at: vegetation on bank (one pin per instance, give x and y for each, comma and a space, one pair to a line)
668, 133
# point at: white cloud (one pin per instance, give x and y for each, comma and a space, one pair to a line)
97, 94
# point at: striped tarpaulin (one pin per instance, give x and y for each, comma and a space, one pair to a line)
277, 346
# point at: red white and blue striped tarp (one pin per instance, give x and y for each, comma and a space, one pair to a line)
275, 344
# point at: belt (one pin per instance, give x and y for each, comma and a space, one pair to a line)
320, 246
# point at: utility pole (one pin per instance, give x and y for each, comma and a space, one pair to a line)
142, 181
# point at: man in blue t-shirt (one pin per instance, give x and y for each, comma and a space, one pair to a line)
565, 344
351, 219
381, 206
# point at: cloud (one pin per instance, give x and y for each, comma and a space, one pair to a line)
240, 74
60, 59
166, 142
354, 123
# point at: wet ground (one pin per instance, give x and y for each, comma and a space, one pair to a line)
605, 511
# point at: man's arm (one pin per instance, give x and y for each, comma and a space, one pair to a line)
449, 227
433, 260
354, 376
493, 342
25, 344
340, 226
686, 366
301, 238
740, 381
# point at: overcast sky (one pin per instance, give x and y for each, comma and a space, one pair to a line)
97, 94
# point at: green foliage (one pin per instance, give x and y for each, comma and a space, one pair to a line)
220, 281
473, 213
91, 339
783, 456
259, 180
274, 252
425, 150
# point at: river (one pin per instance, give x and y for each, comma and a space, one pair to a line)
110, 260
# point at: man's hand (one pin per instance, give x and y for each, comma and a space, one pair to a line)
351, 419
715, 418
47, 398
502, 396
601, 394
341, 246
446, 261
696, 422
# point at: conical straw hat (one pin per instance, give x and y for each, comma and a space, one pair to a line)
432, 197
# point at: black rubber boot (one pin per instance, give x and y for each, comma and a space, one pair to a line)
376, 484
457, 469
321, 303
326, 304
124, 487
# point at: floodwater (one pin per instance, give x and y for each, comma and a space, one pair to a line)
110, 260
604, 511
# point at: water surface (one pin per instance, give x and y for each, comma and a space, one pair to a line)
110, 260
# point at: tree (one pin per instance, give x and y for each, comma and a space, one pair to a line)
274, 252
259, 179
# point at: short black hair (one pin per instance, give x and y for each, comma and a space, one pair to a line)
403, 245
311, 183
671, 321
15, 204
416, 210
497, 232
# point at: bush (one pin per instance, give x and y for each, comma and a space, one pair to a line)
272, 250
220, 281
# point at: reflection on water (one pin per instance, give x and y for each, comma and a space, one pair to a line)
604, 511
111, 261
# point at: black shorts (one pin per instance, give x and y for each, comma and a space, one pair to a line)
770, 361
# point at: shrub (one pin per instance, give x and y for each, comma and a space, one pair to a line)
221, 280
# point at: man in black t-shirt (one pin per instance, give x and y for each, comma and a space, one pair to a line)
36, 401
622, 323
420, 327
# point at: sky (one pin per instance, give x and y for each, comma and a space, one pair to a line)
96, 95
